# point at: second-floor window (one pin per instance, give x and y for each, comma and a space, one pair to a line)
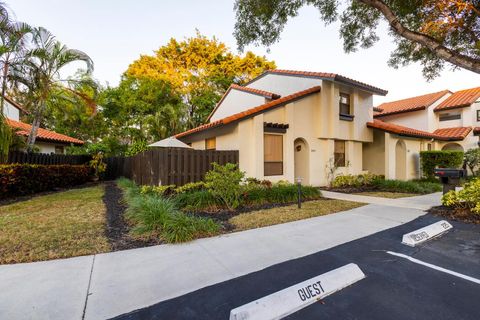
449, 116
273, 154
345, 107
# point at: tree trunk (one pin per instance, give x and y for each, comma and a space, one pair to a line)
35, 125
433, 45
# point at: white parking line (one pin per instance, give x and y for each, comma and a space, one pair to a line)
429, 265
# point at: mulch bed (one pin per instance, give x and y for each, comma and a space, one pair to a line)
223, 216
464, 215
117, 230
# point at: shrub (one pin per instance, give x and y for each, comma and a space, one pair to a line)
278, 193
355, 180
190, 187
439, 159
23, 179
149, 213
180, 227
157, 190
472, 160
468, 197
422, 187
224, 183
198, 201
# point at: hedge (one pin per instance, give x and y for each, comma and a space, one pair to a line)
439, 159
23, 179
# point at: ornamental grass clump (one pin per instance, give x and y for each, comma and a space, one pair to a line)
223, 182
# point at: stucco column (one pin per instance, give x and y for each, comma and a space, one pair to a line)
389, 156
288, 144
257, 146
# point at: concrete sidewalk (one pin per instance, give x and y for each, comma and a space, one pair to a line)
107, 285
423, 202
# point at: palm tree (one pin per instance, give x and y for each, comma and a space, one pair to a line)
13, 39
40, 73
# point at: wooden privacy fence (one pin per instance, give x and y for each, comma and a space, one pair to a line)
164, 166
46, 159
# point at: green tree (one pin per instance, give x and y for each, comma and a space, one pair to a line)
142, 109
428, 31
40, 74
13, 36
199, 70
472, 160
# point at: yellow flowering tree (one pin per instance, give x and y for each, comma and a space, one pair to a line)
199, 69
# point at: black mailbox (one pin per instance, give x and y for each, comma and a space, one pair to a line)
450, 177
449, 173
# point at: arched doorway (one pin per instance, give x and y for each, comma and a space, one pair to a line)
400, 160
452, 147
301, 160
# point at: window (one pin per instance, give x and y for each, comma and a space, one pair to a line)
344, 103
210, 143
478, 115
339, 153
273, 154
449, 116
429, 147
59, 150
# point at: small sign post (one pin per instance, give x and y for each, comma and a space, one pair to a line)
299, 187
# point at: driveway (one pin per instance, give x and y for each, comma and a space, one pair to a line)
108, 285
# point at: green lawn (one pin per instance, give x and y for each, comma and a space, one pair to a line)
59, 225
386, 194
267, 217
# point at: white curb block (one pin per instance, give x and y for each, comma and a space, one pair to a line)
427, 233
287, 301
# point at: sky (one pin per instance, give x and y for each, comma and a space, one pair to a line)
114, 33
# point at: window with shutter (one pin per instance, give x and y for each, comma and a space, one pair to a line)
273, 154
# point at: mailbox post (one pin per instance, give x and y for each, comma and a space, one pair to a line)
450, 177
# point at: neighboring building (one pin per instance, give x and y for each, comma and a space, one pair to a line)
436, 121
290, 124
47, 141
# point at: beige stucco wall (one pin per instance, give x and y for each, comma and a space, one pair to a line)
47, 147
10, 111
315, 119
236, 101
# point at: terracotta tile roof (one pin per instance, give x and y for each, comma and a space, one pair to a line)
460, 99
266, 94
16, 105
409, 104
447, 134
42, 134
327, 76
253, 111
458, 133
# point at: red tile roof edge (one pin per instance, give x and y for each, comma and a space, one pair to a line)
391, 113
42, 134
459, 99
263, 93
325, 75
251, 112
410, 132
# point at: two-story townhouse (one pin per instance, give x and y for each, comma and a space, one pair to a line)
47, 141
291, 124
435, 121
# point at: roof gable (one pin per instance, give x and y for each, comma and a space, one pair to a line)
253, 91
460, 99
252, 112
409, 104
324, 76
